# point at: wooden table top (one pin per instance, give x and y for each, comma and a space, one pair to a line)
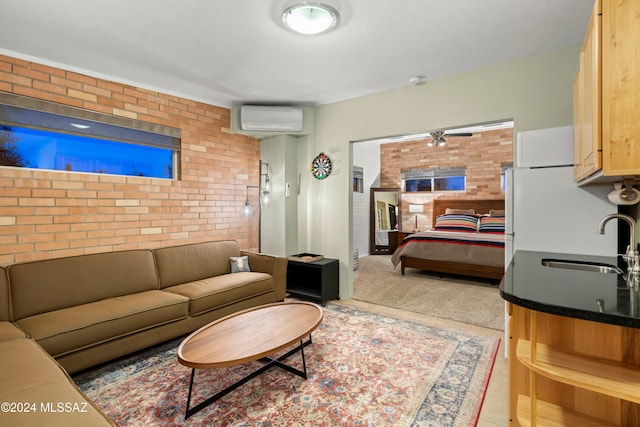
249, 335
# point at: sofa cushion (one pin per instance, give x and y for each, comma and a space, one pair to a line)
215, 292
70, 329
9, 331
31, 376
188, 263
53, 284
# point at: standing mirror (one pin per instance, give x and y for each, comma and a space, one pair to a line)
384, 220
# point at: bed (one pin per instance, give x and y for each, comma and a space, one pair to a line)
454, 246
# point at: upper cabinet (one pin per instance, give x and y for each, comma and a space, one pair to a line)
587, 100
607, 94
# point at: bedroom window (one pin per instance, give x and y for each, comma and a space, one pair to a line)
358, 179
43, 135
434, 180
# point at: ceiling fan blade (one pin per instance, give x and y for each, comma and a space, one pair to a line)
459, 134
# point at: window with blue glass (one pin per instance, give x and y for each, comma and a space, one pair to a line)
418, 184
47, 140
358, 179
432, 180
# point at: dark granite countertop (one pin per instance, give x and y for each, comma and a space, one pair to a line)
587, 295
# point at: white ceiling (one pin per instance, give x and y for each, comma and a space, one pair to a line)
226, 52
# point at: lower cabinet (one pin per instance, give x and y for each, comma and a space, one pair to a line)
571, 372
316, 280
393, 241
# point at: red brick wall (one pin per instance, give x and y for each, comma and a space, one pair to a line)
482, 154
46, 214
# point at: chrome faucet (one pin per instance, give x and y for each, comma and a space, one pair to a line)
631, 256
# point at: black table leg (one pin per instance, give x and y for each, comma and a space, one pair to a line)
269, 363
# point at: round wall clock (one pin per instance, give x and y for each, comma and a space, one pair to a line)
321, 166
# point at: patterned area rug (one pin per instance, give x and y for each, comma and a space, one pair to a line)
363, 370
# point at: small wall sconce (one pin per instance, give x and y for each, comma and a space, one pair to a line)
416, 209
247, 209
264, 189
266, 185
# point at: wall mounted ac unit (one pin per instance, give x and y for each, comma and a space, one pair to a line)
270, 118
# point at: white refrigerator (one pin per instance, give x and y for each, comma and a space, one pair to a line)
545, 208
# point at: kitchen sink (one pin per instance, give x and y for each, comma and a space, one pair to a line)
582, 265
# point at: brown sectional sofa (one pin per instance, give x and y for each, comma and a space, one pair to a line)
77, 312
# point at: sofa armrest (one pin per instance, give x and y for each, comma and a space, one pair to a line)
273, 265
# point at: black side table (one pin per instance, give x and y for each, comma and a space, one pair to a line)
316, 280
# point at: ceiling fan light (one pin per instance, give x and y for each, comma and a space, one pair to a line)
310, 18
437, 138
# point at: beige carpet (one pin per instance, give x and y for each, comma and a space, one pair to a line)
462, 299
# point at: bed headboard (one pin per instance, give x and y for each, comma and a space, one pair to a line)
481, 206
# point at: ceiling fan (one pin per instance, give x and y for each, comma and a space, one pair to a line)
439, 137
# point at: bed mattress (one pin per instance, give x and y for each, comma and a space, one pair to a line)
456, 246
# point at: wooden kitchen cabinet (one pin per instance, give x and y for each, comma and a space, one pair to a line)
607, 94
621, 87
571, 372
587, 100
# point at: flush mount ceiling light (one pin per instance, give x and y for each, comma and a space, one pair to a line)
310, 18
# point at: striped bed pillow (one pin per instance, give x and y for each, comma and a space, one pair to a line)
454, 222
491, 224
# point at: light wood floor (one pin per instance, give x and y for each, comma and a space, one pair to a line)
495, 408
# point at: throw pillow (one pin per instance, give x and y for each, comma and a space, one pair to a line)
239, 263
491, 224
454, 222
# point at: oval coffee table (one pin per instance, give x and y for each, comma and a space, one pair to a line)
246, 336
